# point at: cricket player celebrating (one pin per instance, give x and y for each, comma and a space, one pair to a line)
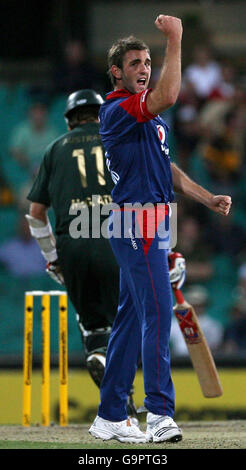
72, 171
135, 139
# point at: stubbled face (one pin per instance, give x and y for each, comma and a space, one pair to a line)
136, 71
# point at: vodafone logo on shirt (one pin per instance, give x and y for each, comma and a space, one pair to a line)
162, 137
161, 133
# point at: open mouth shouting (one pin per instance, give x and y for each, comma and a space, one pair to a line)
142, 83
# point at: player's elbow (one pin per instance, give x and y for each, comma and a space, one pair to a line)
170, 98
170, 101
161, 102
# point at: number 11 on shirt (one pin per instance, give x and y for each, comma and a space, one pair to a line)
80, 154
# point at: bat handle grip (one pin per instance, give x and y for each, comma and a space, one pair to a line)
178, 295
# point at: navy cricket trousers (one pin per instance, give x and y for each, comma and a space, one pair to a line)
142, 324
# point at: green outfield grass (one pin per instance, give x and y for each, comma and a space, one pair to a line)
196, 435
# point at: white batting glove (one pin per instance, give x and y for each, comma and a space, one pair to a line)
177, 269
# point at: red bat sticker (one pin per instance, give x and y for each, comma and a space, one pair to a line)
188, 326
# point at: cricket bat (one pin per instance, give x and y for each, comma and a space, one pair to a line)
200, 354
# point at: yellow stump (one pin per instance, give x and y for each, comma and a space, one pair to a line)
26, 419
63, 356
45, 360
63, 360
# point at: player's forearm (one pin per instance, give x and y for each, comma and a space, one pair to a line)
184, 185
167, 89
39, 211
41, 230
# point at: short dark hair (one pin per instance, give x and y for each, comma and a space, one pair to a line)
82, 113
118, 50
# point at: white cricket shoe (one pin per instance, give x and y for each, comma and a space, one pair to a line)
123, 431
162, 428
134, 420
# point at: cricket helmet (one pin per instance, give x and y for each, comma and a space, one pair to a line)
82, 98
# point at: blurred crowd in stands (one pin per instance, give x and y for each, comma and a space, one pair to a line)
207, 140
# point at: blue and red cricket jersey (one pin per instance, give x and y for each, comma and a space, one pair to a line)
138, 159
137, 149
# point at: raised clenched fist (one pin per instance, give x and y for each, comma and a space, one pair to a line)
170, 26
